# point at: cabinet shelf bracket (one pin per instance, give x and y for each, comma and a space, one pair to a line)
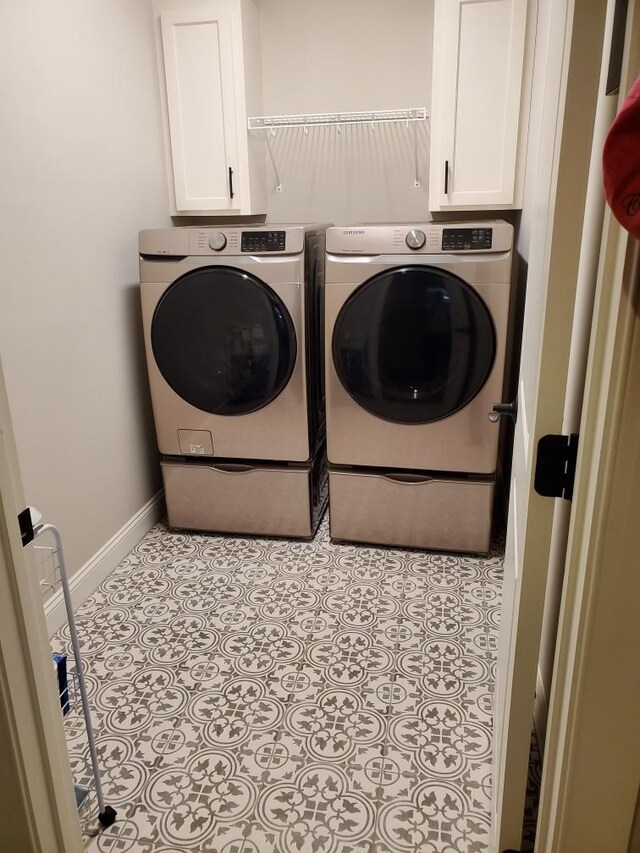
416, 180
268, 136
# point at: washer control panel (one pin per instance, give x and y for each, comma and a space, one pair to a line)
467, 238
263, 241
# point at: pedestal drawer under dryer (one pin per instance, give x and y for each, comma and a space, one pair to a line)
420, 511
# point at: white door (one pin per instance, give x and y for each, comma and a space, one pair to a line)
592, 757
37, 802
566, 82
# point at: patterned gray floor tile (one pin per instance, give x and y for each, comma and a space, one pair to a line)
437, 818
135, 831
478, 704
265, 696
317, 810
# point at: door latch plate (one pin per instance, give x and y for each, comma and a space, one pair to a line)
556, 466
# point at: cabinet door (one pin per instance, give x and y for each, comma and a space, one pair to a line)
477, 80
198, 67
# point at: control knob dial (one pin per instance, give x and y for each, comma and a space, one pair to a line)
415, 239
218, 241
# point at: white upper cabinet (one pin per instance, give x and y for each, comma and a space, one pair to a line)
209, 62
478, 62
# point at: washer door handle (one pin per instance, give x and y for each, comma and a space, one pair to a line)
500, 409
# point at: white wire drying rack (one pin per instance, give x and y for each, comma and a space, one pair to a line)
75, 684
412, 114
70, 702
306, 121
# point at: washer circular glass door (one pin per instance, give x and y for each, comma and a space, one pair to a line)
414, 344
223, 340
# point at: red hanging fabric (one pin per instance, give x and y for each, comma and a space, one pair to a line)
621, 163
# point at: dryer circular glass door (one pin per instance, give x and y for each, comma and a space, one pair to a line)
414, 344
223, 340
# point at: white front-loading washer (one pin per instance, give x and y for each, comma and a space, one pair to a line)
232, 328
416, 324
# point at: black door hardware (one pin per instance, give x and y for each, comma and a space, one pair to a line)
510, 410
556, 466
26, 526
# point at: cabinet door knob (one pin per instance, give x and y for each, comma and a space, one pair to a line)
230, 182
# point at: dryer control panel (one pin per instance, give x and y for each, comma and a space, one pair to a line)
482, 237
263, 241
467, 238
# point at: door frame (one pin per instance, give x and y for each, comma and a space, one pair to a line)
592, 756
40, 812
574, 36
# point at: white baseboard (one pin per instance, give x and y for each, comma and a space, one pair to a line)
89, 577
541, 712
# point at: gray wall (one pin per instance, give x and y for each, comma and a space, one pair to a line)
82, 172
338, 56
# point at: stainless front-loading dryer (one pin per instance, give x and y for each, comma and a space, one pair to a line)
416, 324
231, 321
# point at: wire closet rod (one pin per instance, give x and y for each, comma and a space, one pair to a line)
329, 119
